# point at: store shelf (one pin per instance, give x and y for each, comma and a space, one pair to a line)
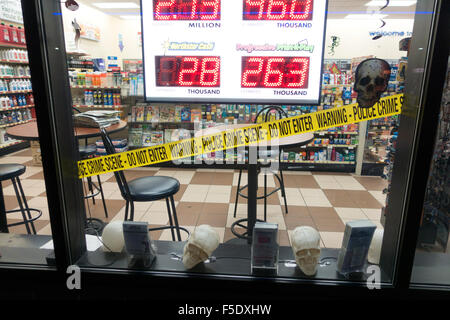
15, 77
13, 124
19, 107
335, 132
319, 162
77, 54
350, 146
12, 45
95, 87
98, 106
13, 61
16, 91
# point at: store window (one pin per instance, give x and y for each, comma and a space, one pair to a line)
322, 201
25, 229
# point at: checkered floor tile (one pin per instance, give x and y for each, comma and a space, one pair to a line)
323, 200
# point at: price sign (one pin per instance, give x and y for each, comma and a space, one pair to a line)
234, 51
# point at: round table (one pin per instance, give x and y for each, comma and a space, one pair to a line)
29, 131
252, 168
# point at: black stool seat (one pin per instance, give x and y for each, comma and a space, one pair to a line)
87, 151
153, 188
11, 170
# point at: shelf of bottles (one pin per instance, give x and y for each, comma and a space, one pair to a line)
16, 97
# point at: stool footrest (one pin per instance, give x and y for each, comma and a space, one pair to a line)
28, 220
238, 223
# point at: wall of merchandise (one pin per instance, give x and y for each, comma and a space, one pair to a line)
16, 97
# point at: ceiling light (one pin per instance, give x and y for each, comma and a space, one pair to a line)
115, 5
396, 3
365, 16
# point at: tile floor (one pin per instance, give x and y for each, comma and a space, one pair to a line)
323, 200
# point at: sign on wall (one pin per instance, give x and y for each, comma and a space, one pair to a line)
235, 51
11, 10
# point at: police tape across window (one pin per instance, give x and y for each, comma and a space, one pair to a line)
240, 137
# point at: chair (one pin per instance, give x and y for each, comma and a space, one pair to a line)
144, 189
265, 156
13, 171
86, 152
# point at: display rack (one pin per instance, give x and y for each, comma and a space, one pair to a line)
16, 106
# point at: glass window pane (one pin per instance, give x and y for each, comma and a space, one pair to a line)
337, 176
26, 235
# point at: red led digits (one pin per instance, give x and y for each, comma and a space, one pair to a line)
189, 67
186, 10
210, 71
252, 74
184, 71
278, 9
273, 75
275, 72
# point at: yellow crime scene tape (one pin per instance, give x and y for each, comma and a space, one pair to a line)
239, 137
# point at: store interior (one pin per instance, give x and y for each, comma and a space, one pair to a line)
342, 175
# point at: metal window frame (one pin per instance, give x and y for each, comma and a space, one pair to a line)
45, 39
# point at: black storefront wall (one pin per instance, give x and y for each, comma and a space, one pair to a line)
46, 47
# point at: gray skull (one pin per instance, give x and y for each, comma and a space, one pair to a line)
371, 80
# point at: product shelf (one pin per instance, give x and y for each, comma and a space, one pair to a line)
319, 161
18, 107
350, 146
15, 77
16, 91
99, 106
13, 61
12, 45
95, 87
335, 132
9, 144
14, 123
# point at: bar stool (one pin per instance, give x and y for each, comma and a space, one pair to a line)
13, 171
145, 189
264, 165
86, 152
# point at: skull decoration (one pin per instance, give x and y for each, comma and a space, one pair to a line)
371, 80
375, 247
203, 241
306, 246
112, 237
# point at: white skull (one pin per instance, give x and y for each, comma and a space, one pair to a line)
203, 241
375, 247
112, 237
371, 80
306, 247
